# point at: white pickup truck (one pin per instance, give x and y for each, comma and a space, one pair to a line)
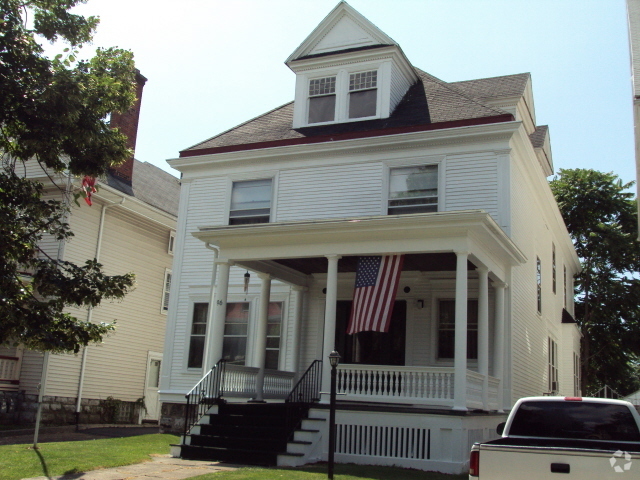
562, 438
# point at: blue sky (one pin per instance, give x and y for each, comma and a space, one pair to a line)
212, 64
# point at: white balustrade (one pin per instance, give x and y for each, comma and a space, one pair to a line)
414, 385
241, 381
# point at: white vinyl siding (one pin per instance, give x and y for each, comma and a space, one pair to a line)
472, 183
399, 86
330, 192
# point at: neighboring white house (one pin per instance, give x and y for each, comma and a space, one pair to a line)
377, 157
129, 228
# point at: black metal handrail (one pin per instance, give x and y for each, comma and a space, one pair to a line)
303, 394
203, 395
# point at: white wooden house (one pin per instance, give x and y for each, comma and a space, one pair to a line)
129, 228
291, 199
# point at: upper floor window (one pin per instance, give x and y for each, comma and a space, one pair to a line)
172, 242
363, 94
539, 284
250, 202
166, 289
553, 267
413, 190
322, 99
564, 283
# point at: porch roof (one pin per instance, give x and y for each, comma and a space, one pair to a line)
276, 248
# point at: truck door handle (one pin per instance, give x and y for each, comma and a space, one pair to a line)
560, 468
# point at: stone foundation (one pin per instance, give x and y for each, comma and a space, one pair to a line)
172, 418
17, 408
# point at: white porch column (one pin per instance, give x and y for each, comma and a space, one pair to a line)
498, 348
298, 298
217, 314
329, 319
460, 350
260, 350
483, 332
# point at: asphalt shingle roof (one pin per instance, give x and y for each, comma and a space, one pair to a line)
539, 135
429, 101
151, 185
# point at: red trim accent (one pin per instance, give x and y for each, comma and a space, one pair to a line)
349, 136
4, 357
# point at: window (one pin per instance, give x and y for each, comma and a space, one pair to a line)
539, 284
322, 100
363, 94
236, 326
166, 290
413, 190
198, 333
172, 242
447, 329
552, 353
250, 202
274, 327
553, 267
564, 268
576, 375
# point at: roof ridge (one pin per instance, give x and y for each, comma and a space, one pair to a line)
528, 74
453, 88
239, 125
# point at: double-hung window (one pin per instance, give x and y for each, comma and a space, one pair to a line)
413, 190
198, 334
236, 326
552, 352
539, 284
322, 100
447, 329
363, 94
274, 328
250, 202
166, 290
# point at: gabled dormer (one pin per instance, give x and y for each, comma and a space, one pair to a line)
348, 70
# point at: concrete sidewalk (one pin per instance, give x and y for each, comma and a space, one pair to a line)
162, 467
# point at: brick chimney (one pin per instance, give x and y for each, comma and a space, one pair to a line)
128, 124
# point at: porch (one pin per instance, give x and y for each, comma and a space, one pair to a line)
464, 248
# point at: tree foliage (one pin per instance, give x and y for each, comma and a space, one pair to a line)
53, 112
600, 215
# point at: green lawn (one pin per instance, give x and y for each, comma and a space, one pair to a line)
319, 472
21, 461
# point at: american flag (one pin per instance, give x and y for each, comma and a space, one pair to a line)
375, 292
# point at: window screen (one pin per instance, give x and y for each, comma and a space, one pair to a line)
250, 202
413, 190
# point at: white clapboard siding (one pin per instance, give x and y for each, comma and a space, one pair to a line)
472, 183
399, 86
330, 192
117, 367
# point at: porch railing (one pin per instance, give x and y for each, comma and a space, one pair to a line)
305, 393
9, 372
203, 395
241, 381
415, 385
398, 384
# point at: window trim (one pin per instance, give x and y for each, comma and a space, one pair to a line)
554, 272
553, 373
192, 308
166, 292
439, 160
341, 114
437, 202
247, 177
538, 285
435, 329
172, 242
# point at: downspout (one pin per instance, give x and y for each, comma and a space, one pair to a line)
208, 362
83, 363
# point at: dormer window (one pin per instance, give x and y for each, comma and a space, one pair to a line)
322, 99
363, 94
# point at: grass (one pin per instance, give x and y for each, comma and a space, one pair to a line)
319, 472
59, 458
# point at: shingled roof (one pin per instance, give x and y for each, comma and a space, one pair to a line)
427, 105
151, 185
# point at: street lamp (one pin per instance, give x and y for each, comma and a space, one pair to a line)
334, 360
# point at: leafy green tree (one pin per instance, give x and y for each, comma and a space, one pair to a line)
53, 113
600, 215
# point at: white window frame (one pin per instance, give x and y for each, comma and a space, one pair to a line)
434, 315
552, 366
554, 273
438, 160
342, 92
166, 292
189, 334
538, 266
172, 242
246, 177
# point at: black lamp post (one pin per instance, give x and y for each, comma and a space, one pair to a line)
334, 360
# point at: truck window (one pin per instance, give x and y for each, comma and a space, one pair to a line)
575, 420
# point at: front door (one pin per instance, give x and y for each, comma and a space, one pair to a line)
151, 397
372, 348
